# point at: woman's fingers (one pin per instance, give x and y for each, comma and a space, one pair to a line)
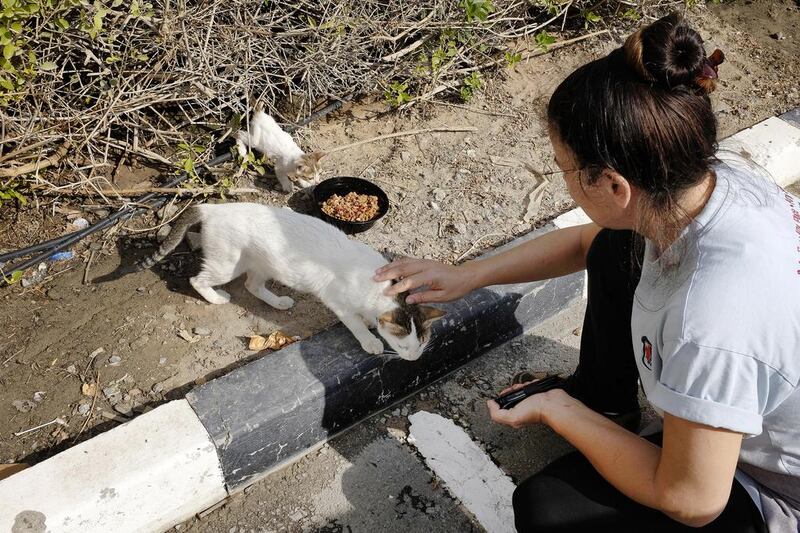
408, 283
397, 269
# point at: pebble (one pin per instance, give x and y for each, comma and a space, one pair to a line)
405, 157
140, 289
158, 387
38, 396
439, 194
133, 393
83, 409
23, 406
163, 232
471, 154
72, 370
204, 332
778, 36
167, 211
123, 408
111, 391
114, 360
162, 361
577, 332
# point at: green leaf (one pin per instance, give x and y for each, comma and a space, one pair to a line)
188, 165
62, 23
6, 84
47, 65
15, 277
33, 8
8, 4
16, 27
198, 149
544, 40
112, 59
8, 50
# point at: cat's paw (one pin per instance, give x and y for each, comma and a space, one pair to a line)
283, 303
218, 297
373, 346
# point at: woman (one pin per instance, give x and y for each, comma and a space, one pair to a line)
706, 313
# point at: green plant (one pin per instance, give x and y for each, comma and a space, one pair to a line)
512, 58
630, 14
544, 40
13, 278
189, 153
590, 18
477, 9
552, 6
472, 83
396, 94
9, 192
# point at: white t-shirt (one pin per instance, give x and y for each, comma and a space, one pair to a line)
716, 329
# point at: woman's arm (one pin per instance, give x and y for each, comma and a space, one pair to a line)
553, 254
689, 479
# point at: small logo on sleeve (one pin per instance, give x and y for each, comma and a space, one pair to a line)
647, 353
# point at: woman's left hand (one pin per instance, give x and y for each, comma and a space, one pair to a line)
527, 412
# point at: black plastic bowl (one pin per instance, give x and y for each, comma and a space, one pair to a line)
342, 185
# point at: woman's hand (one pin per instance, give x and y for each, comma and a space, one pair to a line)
527, 412
443, 283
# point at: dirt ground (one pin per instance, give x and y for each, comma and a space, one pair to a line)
142, 338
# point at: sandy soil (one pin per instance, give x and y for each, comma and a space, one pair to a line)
451, 193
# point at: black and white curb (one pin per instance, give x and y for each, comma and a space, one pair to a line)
184, 456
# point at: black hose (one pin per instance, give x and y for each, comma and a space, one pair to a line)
59, 243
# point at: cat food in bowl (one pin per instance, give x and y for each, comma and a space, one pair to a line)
351, 204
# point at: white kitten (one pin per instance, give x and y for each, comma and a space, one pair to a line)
308, 255
291, 163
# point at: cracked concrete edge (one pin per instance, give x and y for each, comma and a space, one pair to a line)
162, 467
148, 474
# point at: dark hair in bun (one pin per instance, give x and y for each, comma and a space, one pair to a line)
643, 111
671, 53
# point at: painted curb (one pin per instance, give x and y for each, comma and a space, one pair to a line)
146, 475
274, 409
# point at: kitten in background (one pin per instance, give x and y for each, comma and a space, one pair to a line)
291, 163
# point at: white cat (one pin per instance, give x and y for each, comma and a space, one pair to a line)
308, 255
291, 163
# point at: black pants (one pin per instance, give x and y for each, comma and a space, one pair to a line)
569, 494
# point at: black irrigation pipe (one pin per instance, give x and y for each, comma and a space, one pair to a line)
59, 243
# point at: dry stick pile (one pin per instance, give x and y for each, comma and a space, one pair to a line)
147, 77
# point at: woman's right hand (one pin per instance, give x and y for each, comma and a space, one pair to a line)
443, 283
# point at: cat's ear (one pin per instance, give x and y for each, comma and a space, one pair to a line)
430, 314
315, 156
387, 318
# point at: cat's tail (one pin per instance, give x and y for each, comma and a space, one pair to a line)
189, 218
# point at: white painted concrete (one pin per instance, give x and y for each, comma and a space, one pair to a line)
146, 475
575, 217
774, 144
469, 474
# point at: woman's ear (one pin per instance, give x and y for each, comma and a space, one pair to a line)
616, 189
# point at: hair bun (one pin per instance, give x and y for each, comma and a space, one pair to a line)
670, 52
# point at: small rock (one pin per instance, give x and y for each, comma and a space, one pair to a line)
577, 332
472, 154
396, 412
405, 157
162, 361
133, 393
163, 232
167, 211
114, 360
439, 194
434, 206
158, 387
123, 408
38, 396
80, 223
72, 370
203, 332
83, 409
188, 337
111, 391
404, 411
140, 289
89, 389
23, 406
779, 36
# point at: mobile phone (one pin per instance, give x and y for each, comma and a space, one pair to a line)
507, 401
